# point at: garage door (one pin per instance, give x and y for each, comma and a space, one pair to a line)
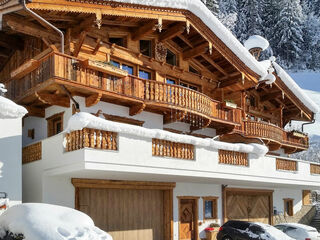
249, 206
127, 214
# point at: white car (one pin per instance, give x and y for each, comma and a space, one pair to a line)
299, 231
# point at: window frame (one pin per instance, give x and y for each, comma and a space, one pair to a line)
147, 71
175, 57
214, 200
124, 40
121, 63
150, 47
52, 124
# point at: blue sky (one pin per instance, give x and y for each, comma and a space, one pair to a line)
307, 80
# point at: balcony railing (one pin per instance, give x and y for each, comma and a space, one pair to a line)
32, 153
286, 165
274, 134
233, 158
156, 95
164, 148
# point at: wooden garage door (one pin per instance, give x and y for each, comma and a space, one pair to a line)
248, 207
126, 214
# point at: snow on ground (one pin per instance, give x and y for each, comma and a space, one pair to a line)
256, 41
9, 109
37, 221
86, 120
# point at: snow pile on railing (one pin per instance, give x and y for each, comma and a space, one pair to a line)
201, 11
38, 221
86, 120
294, 87
9, 109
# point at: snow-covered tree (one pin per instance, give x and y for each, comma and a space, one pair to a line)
212, 5
288, 35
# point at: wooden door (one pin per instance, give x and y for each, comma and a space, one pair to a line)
126, 214
187, 219
248, 207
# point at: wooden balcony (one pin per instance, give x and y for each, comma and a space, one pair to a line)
275, 137
36, 83
32, 153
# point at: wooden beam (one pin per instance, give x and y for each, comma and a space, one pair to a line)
93, 99
269, 96
120, 23
179, 116
80, 41
136, 109
172, 32
85, 25
209, 60
186, 41
53, 99
196, 51
11, 42
35, 112
19, 24
140, 32
230, 82
96, 48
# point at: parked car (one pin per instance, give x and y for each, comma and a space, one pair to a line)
241, 230
299, 231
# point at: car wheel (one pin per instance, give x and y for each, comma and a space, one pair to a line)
227, 238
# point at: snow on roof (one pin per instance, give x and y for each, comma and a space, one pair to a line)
201, 11
9, 109
86, 120
256, 41
37, 221
294, 87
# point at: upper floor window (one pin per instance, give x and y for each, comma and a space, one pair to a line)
146, 47
120, 41
189, 85
123, 66
170, 81
144, 74
171, 58
55, 124
114, 63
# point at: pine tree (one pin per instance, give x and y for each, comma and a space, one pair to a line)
288, 33
229, 13
212, 5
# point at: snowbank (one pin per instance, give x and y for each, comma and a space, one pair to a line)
9, 109
38, 221
201, 11
86, 120
256, 41
293, 86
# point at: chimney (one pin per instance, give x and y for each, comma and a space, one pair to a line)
255, 45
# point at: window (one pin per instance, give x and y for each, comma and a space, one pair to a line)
210, 207
55, 124
114, 63
252, 101
146, 47
193, 70
127, 68
118, 41
144, 74
171, 58
288, 206
188, 85
170, 81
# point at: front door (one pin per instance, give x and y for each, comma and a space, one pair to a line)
187, 217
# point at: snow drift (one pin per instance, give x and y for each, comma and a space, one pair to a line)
9, 109
86, 120
37, 221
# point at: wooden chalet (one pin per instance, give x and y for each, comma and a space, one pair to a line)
152, 59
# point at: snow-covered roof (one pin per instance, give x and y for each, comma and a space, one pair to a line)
256, 41
86, 120
9, 109
294, 87
38, 221
201, 11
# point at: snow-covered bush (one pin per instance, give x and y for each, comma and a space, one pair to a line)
37, 221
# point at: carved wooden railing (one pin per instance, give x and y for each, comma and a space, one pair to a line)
68, 68
286, 165
163, 148
314, 169
32, 153
274, 133
233, 158
91, 138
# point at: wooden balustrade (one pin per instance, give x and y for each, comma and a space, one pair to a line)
233, 158
91, 138
32, 153
314, 169
289, 138
163, 148
263, 130
286, 165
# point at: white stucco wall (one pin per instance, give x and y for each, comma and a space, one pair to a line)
11, 156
